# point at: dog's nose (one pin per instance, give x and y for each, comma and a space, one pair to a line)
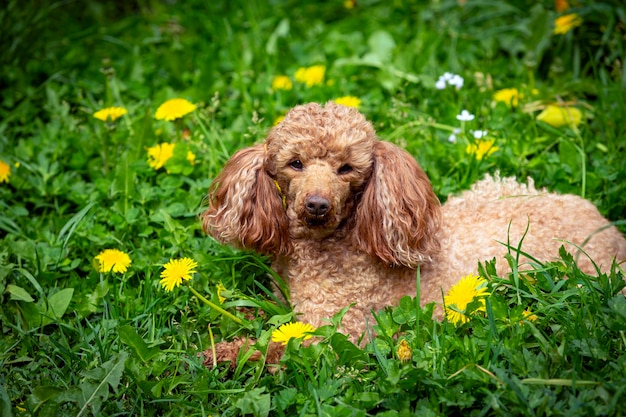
317, 205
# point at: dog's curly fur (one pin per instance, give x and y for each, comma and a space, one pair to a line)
347, 218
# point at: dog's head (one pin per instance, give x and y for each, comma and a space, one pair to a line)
322, 173
320, 158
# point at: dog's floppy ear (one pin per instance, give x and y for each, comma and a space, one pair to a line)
245, 206
399, 214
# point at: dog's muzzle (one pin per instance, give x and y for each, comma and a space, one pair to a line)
317, 209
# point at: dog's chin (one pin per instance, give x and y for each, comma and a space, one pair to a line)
318, 222
316, 227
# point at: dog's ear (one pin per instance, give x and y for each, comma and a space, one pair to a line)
245, 206
399, 214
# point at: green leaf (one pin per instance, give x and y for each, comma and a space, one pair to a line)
405, 313
616, 319
129, 337
178, 163
381, 45
163, 217
71, 225
590, 348
255, 402
58, 303
31, 313
5, 403
19, 294
9, 226
5, 270
570, 155
279, 319
93, 301
32, 280
347, 352
94, 393
42, 395
617, 304
124, 178
368, 399
285, 398
385, 324
539, 34
281, 31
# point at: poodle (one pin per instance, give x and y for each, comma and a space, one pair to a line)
348, 219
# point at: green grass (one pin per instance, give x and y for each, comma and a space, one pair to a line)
77, 342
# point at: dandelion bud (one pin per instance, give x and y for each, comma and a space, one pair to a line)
404, 351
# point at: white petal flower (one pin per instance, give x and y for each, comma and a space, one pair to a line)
479, 134
452, 137
447, 79
456, 81
465, 116
440, 84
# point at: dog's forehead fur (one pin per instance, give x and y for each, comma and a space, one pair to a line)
311, 131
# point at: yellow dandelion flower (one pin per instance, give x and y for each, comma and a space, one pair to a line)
191, 157
468, 289
404, 351
279, 119
349, 101
292, 330
175, 271
113, 259
281, 82
558, 116
159, 154
220, 288
565, 23
508, 96
311, 75
349, 4
110, 114
174, 109
5, 172
528, 315
481, 148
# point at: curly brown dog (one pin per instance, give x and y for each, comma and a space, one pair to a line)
347, 218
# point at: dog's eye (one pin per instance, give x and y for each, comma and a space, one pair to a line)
296, 164
344, 169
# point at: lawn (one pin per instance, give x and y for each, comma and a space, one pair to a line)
103, 179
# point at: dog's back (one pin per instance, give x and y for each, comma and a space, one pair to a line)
499, 215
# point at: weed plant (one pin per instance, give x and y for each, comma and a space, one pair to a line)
76, 341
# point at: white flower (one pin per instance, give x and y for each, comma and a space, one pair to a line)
452, 137
465, 116
479, 134
440, 84
456, 81
449, 78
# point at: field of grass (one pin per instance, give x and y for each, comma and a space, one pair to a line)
79, 340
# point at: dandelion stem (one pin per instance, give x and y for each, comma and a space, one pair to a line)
180, 128
105, 147
212, 346
215, 307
